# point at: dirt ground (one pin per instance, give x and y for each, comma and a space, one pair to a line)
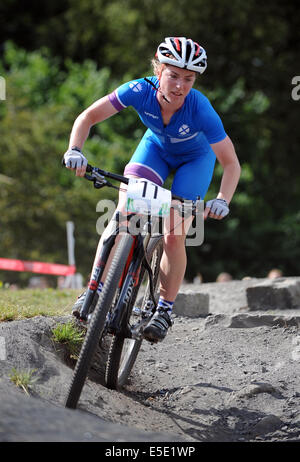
230, 376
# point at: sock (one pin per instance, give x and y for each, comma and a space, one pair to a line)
166, 305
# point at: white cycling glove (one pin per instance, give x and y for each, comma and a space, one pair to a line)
74, 158
218, 207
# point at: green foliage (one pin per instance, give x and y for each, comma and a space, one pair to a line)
27, 303
23, 379
34, 131
70, 335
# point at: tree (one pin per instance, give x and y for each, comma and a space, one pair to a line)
36, 119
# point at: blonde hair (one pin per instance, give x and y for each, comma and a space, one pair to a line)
157, 66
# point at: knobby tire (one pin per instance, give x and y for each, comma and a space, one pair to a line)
116, 373
98, 320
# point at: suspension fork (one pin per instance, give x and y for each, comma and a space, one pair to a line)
99, 267
96, 276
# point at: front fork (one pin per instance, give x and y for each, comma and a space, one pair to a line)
127, 285
97, 273
99, 264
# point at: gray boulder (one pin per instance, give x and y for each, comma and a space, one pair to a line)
274, 294
192, 303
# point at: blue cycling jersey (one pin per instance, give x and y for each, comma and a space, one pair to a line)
183, 144
195, 125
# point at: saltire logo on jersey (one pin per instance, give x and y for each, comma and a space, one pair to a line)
184, 130
135, 86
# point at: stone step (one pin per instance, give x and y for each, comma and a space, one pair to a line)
280, 293
192, 304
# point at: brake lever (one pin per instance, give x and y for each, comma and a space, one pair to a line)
98, 184
88, 177
98, 180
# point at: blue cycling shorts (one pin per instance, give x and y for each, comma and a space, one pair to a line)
193, 171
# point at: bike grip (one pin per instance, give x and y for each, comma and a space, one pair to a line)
89, 168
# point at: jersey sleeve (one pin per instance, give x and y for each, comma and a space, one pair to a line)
128, 94
211, 123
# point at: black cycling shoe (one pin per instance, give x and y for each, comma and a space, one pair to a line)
79, 302
157, 328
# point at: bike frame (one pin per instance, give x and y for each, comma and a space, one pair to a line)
137, 256
130, 277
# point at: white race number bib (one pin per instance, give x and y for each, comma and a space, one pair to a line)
145, 197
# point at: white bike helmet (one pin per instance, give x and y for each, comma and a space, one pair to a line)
182, 52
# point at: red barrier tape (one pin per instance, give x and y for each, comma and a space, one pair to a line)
37, 267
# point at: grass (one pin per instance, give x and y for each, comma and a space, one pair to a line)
27, 303
23, 379
70, 335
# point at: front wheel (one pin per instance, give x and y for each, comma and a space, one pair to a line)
98, 320
123, 351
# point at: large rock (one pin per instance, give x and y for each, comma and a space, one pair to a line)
192, 303
224, 297
250, 320
275, 294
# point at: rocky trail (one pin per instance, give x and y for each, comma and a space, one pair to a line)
228, 371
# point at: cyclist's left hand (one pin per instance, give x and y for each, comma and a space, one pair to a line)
216, 208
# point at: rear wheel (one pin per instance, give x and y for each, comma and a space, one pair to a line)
98, 320
123, 351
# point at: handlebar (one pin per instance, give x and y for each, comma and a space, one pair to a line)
104, 173
98, 178
120, 178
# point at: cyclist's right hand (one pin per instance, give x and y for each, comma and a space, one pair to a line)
75, 160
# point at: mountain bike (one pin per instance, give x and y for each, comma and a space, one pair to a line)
130, 291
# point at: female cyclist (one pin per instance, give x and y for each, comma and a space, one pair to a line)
184, 134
